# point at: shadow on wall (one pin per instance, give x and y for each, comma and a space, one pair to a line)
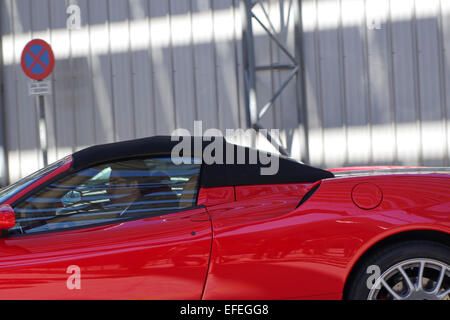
377, 82
140, 68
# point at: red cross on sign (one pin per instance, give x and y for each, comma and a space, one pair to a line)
37, 59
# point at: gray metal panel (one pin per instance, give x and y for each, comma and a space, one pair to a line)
83, 100
442, 88
239, 62
408, 132
380, 90
3, 140
431, 111
142, 70
182, 64
445, 33
162, 63
63, 83
227, 92
289, 112
10, 96
313, 81
331, 68
101, 82
26, 105
358, 134
40, 17
122, 84
204, 64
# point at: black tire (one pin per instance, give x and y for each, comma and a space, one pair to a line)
386, 257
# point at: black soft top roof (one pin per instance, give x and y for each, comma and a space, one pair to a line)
213, 175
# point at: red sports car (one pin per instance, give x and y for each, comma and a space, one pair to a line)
131, 220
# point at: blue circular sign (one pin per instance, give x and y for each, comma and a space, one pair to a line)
38, 59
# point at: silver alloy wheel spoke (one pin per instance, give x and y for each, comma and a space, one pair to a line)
439, 282
391, 291
396, 279
408, 281
420, 276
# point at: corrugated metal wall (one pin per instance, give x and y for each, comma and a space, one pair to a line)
376, 75
136, 68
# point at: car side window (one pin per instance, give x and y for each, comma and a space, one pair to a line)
110, 193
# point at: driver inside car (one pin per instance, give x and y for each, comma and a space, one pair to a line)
133, 191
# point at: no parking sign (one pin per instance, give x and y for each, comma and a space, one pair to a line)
37, 63
38, 59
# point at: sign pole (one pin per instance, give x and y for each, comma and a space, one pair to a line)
37, 63
42, 129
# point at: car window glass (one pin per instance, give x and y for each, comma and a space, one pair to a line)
110, 193
12, 189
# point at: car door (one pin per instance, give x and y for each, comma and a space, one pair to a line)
123, 230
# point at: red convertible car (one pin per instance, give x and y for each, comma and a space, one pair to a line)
131, 221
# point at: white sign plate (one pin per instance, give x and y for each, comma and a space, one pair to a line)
39, 88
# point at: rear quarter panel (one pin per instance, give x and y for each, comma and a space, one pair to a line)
308, 252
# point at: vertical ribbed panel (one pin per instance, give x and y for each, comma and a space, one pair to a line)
377, 76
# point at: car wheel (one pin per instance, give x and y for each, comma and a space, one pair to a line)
414, 270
